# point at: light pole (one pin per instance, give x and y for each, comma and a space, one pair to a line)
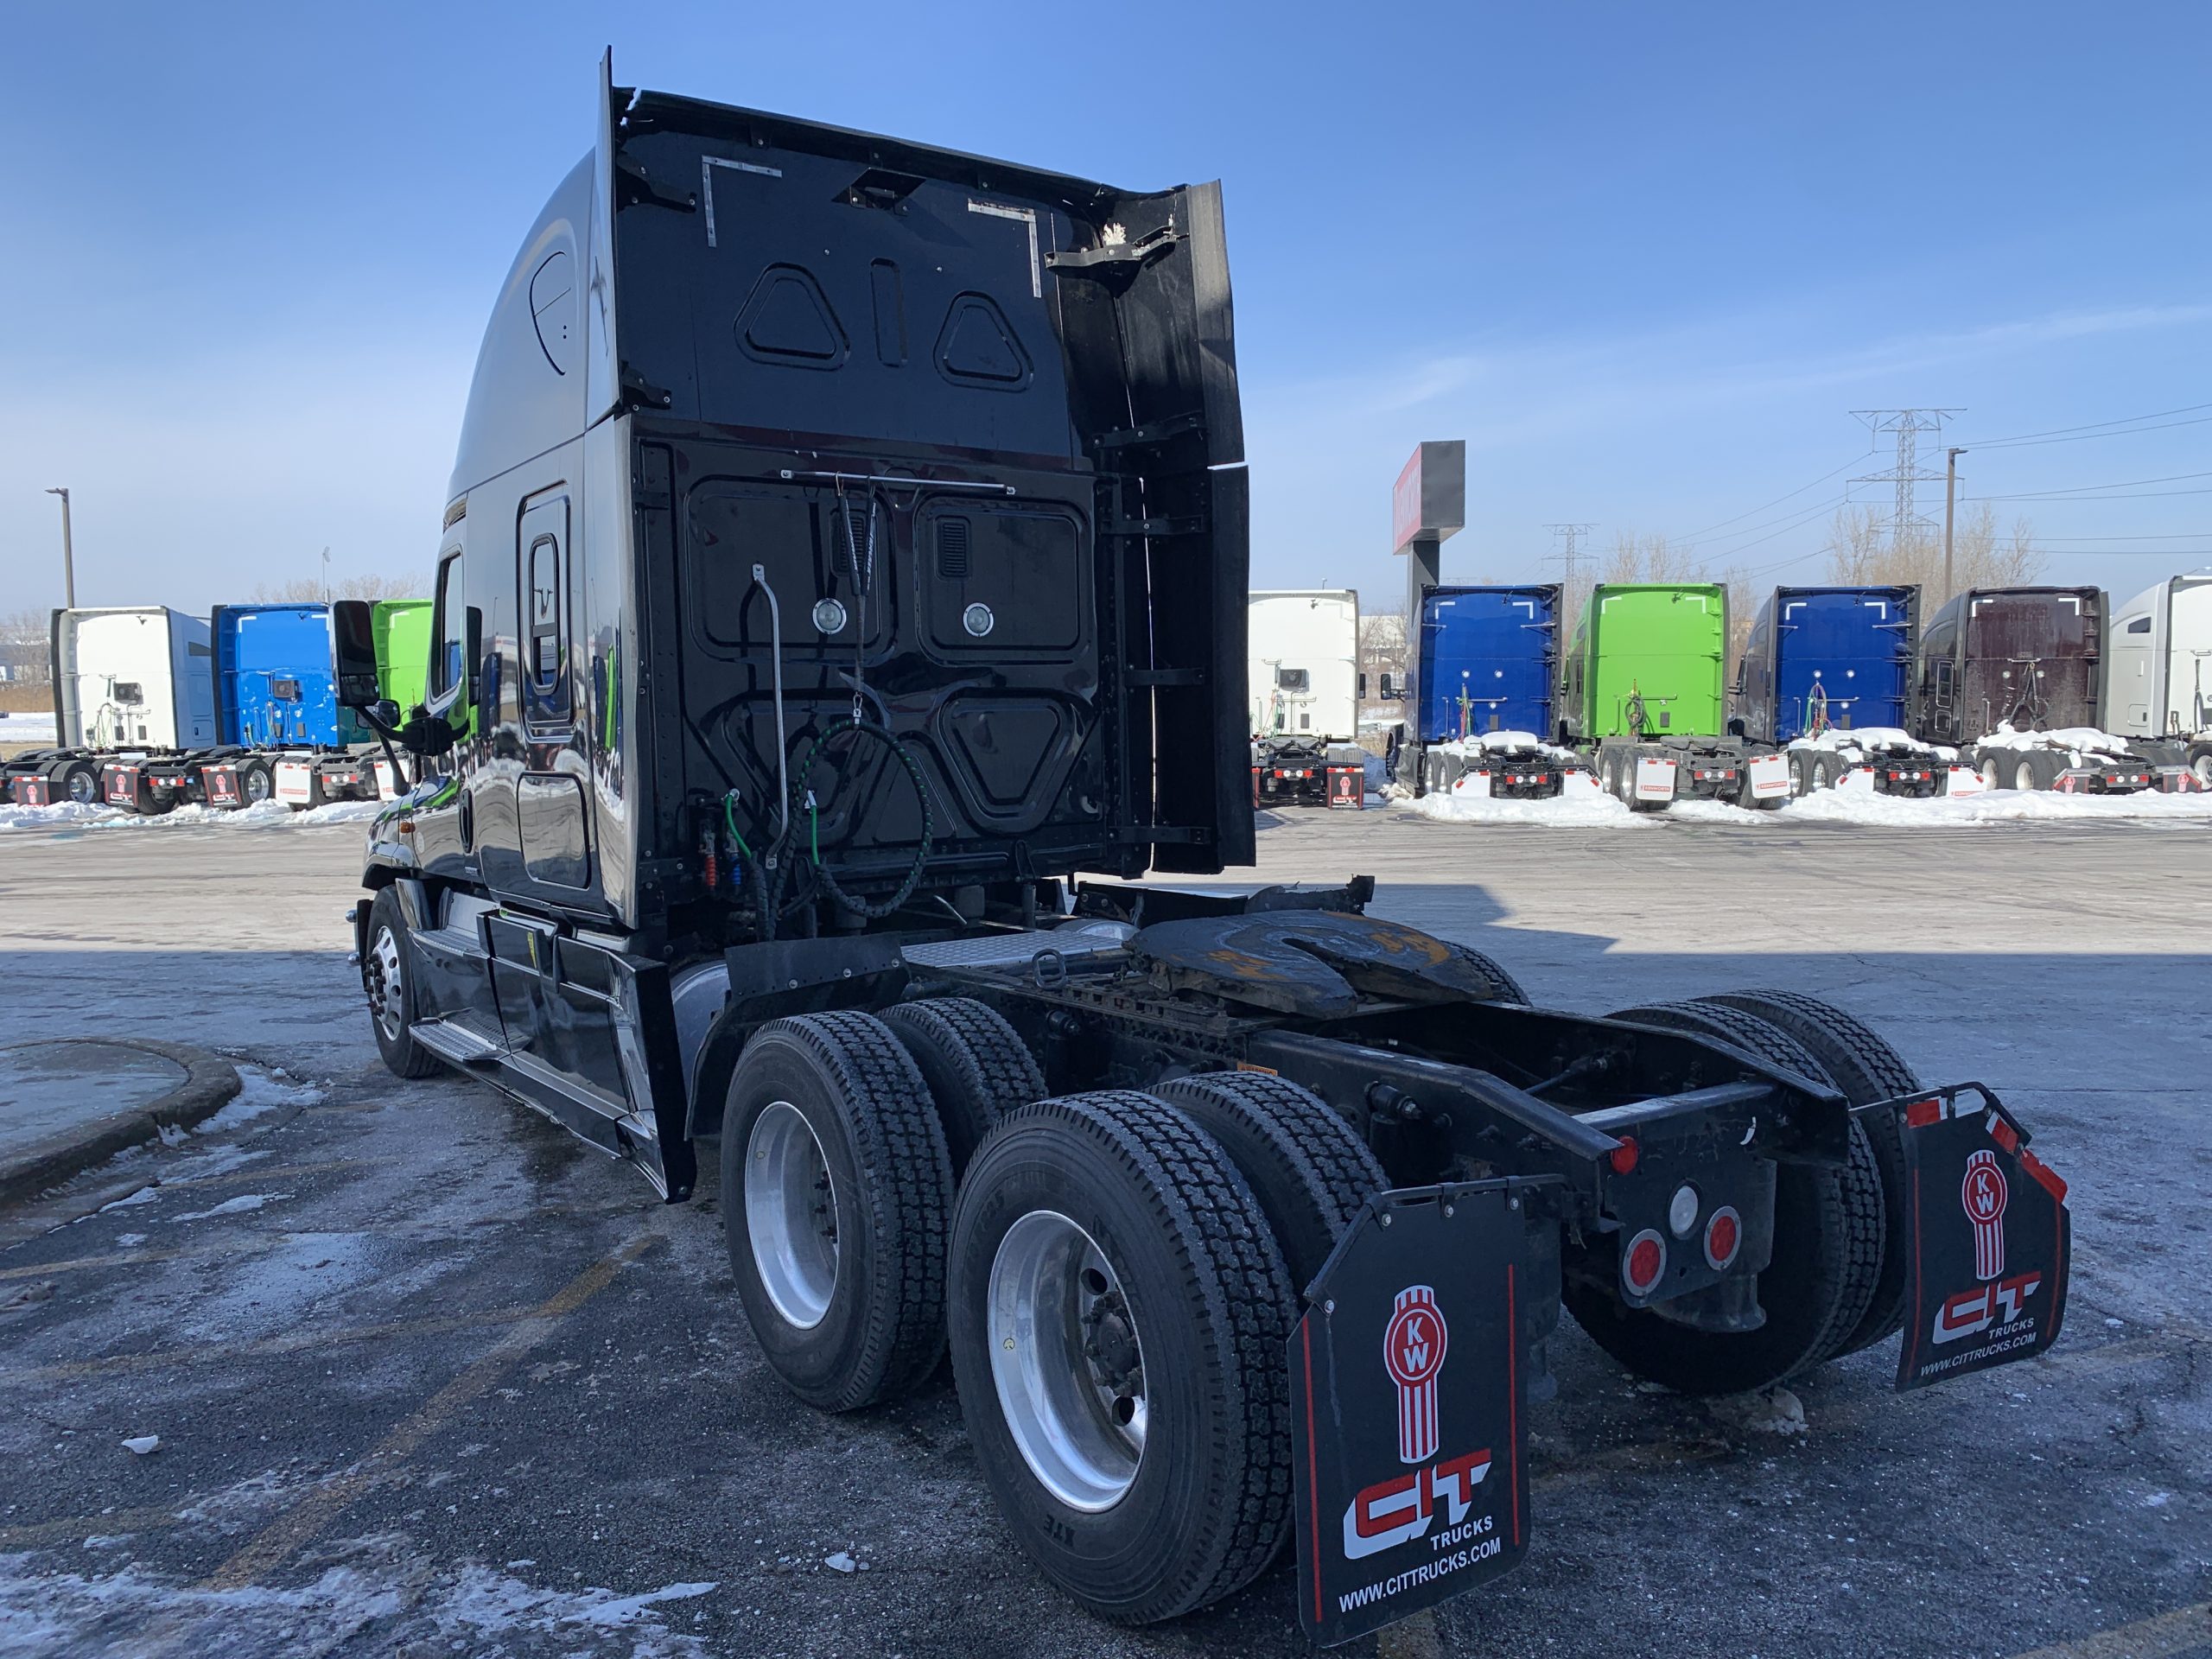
1950, 505
68, 554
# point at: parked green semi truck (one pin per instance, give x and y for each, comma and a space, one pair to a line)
1643, 696
401, 628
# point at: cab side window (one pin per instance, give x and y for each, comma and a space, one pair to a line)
448, 615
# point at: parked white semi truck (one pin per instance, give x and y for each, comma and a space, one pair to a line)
2158, 689
1304, 646
127, 680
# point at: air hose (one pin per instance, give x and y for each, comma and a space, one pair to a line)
874, 909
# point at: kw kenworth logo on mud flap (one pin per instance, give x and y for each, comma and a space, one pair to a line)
1408, 1400
1989, 1266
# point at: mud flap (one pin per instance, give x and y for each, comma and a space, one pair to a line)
1409, 1381
1990, 1240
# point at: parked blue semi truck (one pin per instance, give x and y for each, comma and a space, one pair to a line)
1827, 676
1483, 673
279, 731
277, 700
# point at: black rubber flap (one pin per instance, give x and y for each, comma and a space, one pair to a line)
1409, 1408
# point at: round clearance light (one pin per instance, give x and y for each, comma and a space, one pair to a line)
829, 616
1644, 1262
1724, 1237
978, 619
1681, 1210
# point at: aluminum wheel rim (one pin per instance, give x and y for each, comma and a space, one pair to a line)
2023, 776
387, 984
2202, 768
1068, 1362
791, 1215
1989, 775
256, 785
83, 787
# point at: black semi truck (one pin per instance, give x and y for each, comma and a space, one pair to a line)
841, 603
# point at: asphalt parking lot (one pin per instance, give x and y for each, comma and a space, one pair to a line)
430, 1377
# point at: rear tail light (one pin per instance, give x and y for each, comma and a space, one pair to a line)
1643, 1263
1623, 1156
1724, 1238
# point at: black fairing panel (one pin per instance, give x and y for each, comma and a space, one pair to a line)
977, 427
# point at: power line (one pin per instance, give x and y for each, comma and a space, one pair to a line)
2185, 535
2058, 433
2066, 499
2079, 489
1777, 501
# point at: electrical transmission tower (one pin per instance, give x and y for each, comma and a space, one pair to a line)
1570, 554
1906, 526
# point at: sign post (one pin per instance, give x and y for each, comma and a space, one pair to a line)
1429, 502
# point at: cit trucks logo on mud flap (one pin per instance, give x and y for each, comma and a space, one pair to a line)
2006, 1242
1402, 1508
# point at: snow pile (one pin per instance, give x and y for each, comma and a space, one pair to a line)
1504, 743
1834, 741
1587, 809
26, 727
2081, 739
266, 815
1997, 806
50, 817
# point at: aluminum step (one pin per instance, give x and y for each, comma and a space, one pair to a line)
457, 1044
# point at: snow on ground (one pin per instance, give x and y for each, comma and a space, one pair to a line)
1997, 806
23, 726
268, 815
1585, 810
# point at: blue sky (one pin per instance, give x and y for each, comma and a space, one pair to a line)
1644, 258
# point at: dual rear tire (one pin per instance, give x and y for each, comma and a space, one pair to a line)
1118, 1277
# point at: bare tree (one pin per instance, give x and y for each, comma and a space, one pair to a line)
308, 590
1861, 555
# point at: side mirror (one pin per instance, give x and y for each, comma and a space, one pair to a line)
384, 714
1392, 690
354, 654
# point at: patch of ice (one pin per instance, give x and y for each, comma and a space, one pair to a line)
1585, 810
242, 1204
143, 1444
126, 1239
412, 1604
841, 1562
260, 1092
626, 1610
143, 1195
